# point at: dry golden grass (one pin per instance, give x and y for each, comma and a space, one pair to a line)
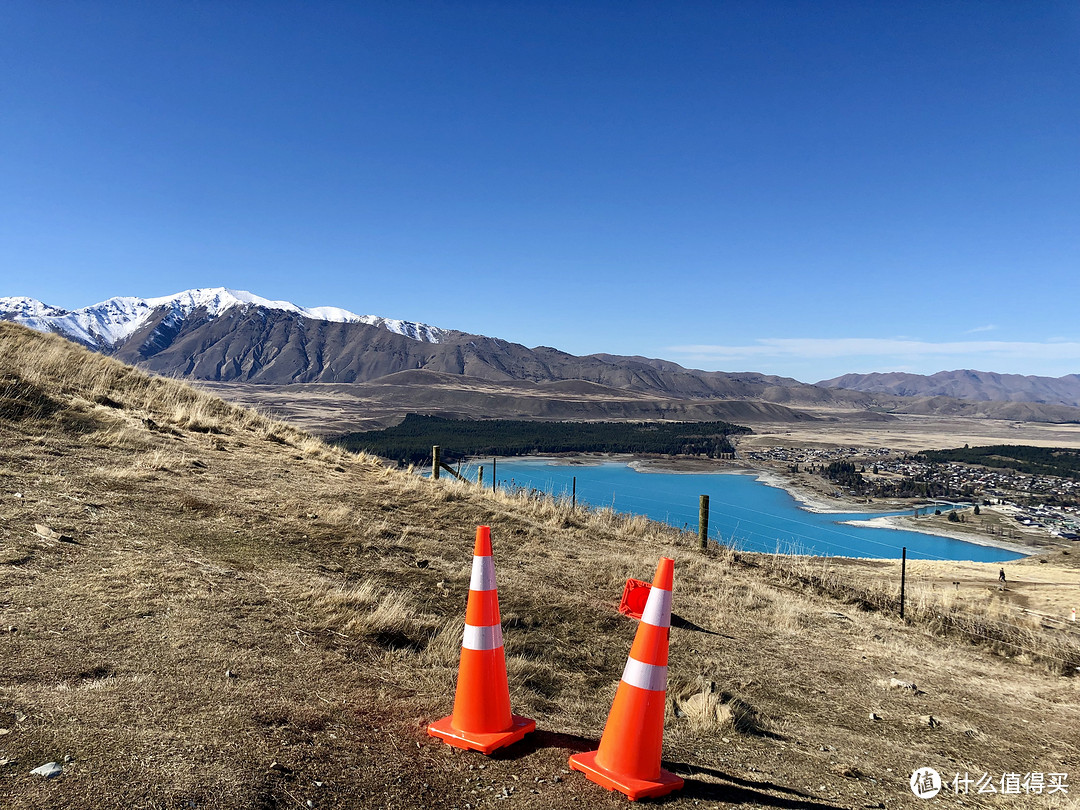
992, 624
91, 381
247, 620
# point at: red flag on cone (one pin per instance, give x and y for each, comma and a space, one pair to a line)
628, 759
482, 720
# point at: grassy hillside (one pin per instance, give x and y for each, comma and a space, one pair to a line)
235, 615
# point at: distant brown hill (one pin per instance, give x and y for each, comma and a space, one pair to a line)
258, 345
397, 374
979, 386
329, 408
274, 347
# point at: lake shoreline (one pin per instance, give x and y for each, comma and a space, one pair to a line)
806, 499
901, 523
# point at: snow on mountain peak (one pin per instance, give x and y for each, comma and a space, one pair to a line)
217, 300
115, 319
21, 306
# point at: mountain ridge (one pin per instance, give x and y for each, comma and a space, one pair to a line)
110, 322
968, 384
218, 335
222, 335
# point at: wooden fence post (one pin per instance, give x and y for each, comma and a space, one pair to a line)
480, 478
903, 577
573, 494
435, 462
703, 522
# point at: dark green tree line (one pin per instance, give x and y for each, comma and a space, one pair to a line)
411, 441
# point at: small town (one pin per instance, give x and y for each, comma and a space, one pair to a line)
1047, 502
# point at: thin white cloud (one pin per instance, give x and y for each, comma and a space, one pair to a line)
822, 348
990, 327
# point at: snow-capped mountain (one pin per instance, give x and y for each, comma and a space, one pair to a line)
228, 336
26, 308
109, 323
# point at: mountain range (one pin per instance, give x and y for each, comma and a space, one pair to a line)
233, 337
223, 335
980, 386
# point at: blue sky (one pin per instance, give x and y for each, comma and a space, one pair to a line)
798, 188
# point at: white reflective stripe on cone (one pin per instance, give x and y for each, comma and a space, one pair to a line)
482, 638
645, 676
657, 610
483, 574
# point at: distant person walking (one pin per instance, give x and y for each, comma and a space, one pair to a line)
1001, 576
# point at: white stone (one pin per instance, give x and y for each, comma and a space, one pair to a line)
48, 770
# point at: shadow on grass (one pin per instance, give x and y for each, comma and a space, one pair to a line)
734, 790
540, 739
686, 624
727, 788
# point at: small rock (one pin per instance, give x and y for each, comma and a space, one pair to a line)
230, 674
48, 770
423, 563
18, 494
68, 759
874, 716
930, 720
4, 762
279, 768
4, 731
52, 534
896, 683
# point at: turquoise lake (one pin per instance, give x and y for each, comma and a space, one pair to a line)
744, 512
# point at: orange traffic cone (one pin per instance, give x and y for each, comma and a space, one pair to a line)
628, 759
481, 719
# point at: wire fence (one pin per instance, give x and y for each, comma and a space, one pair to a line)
1040, 636
757, 529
